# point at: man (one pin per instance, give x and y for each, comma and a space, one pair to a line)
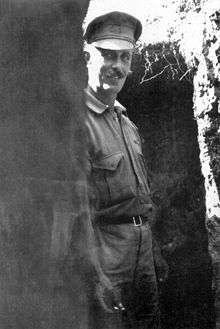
122, 207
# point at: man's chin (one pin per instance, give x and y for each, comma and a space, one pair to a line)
111, 87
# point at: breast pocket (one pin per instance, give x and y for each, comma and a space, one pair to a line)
109, 177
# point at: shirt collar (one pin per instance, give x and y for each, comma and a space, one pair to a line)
97, 106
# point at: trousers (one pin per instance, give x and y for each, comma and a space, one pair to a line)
125, 253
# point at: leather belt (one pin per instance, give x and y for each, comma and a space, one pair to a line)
137, 220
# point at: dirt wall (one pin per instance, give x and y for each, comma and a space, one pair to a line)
162, 109
44, 230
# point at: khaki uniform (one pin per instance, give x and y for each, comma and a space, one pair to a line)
116, 162
120, 191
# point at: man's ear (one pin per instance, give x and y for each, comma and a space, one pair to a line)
86, 56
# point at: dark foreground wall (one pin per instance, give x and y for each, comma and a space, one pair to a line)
44, 222
162, 109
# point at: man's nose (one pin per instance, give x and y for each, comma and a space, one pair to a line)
117, 62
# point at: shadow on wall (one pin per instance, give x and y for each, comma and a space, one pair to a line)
162, 110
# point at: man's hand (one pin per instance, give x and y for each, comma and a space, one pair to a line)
108, 297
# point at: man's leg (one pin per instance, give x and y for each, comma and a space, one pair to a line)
116, 255
140, 297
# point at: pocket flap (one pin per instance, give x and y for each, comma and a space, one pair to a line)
109, 162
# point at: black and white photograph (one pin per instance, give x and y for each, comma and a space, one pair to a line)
109, 164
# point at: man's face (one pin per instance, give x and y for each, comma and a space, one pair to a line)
108, 69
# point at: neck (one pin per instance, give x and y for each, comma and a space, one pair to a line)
106, 97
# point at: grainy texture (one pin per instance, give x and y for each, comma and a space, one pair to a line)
207, 114
162, 108
45, 230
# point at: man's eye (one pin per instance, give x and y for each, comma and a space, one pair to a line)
126, 57
107, 55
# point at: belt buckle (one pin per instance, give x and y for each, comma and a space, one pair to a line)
137, 223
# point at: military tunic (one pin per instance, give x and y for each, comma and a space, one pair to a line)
120, 190
117, 165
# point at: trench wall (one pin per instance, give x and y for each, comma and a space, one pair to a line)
44, 236
162, 109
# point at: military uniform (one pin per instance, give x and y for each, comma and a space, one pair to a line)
122, 212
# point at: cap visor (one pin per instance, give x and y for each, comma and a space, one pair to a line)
114, 44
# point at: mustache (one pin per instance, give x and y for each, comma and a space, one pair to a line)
115, 73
